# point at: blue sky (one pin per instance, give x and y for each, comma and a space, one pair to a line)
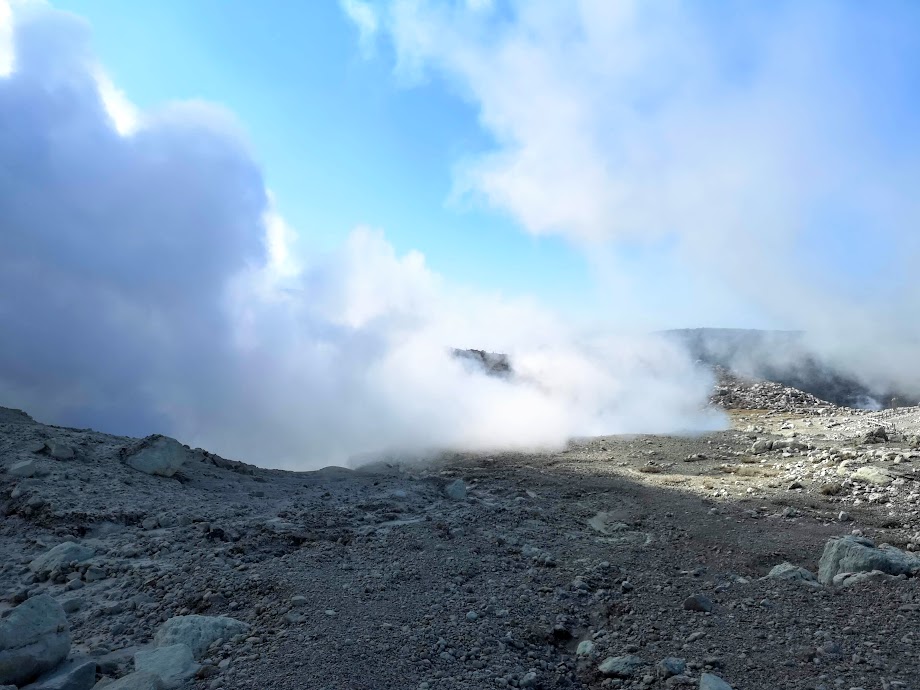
341, 141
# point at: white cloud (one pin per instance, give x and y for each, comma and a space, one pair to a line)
759, 142
151, 286
364, 17
7, 50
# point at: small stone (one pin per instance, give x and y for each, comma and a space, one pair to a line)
709, 681
585, 648
698, 602
670, 666
621, 666
456, 490
793, 573
173, 664
472, 615
844, 516
528, 681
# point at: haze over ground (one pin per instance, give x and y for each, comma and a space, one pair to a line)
277, 271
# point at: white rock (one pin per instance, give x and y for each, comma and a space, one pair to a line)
34, 638
173, 664
793, 573
456, 490
852, 554
708, 681
158, 455
198, 632
26, 469
60, 556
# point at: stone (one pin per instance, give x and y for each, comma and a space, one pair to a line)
157, 455
698, 602
60, 556
852, 554
585, 648
709, 681
34, 638
139, 680
761, 446
621, 666
76, 674
174, 664
456, 490
876, 476
851, 579
26, 468
793, 573
670, 666
59, 451
198, 632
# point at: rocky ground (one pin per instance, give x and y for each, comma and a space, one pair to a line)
619, 562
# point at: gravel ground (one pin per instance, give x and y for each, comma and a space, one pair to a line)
509, 570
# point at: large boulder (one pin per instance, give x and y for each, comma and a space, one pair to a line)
139, 680
76, 674
158, 455
173, 664
60, 557
198, 632
34, 638
852, 554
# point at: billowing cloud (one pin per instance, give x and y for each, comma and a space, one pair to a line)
774, 146
146, 284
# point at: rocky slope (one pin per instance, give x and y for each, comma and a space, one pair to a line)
750, 558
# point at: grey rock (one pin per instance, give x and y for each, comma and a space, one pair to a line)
852, 554
670, 666
852, 579
198, 632
76, 674
698, 602
26, 469
456, 490
709, 681
793, 573
139, 680
173, 664
59, 451
34, 638
157, 455
621, 666
762, 446
877, 476
585, 648
61, 556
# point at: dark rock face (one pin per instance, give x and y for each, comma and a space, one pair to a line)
492, 363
